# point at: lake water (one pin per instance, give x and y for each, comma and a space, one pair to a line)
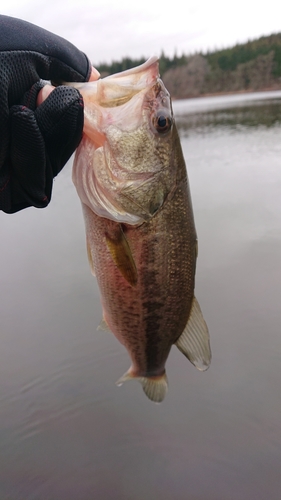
66, 431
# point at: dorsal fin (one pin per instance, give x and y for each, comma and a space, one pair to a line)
194, 342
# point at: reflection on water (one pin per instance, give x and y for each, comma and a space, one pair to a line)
249, 116
250, 111
66, 431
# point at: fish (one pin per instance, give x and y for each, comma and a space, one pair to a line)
130, 175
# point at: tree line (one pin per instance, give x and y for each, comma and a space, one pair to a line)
165, 63
254, 65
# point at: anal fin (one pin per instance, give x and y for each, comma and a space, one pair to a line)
194, 342
103, 326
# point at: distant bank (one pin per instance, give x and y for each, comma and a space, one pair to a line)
249, 67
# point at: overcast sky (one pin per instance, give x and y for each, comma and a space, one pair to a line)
111, 29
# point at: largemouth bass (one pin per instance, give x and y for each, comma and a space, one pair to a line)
130, 175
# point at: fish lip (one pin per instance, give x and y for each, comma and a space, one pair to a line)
142, 67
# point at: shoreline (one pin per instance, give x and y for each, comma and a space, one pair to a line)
231, 92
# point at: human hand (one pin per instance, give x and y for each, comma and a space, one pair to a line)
36, 141
47, 89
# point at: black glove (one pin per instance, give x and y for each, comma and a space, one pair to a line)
35, 143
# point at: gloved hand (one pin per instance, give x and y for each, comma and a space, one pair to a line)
36, 142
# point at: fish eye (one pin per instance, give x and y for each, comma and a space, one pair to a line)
162, 122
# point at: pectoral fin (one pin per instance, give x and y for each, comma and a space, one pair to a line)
90, 258
194, 342
121, 253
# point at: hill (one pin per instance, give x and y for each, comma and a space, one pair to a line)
252, 66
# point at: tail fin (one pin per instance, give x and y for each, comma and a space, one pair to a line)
154, 387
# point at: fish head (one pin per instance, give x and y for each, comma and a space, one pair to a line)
123, 168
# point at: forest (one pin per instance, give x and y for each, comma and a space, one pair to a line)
254, 65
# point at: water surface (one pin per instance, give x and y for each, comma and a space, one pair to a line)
66, 431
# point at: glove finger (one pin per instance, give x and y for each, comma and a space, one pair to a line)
31, 175
30, 97
53, 57
60, 119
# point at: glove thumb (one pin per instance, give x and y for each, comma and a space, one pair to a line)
60, 119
